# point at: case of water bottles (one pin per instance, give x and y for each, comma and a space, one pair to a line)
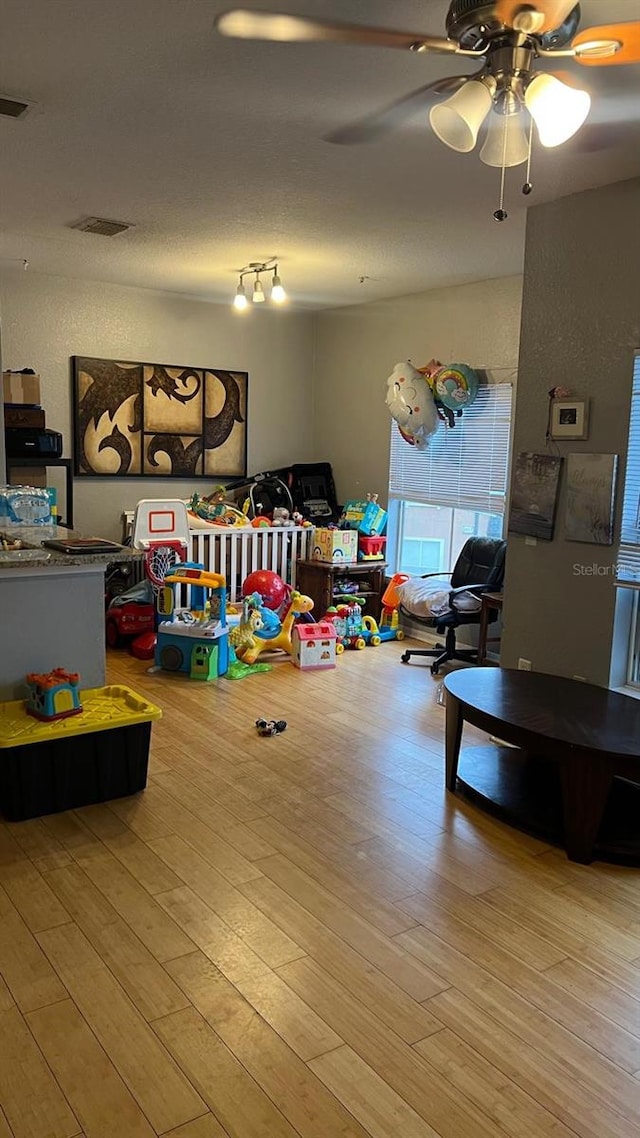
26, 506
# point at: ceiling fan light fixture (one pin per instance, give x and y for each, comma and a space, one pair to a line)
557, 110
506, 142
456, 122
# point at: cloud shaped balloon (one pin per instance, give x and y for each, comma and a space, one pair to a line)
411, 404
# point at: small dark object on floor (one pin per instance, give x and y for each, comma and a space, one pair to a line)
271, 726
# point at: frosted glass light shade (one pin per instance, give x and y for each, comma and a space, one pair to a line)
258, 293
557, 110
457, 121
517, 144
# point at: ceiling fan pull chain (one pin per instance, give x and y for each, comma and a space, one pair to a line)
528, 185
501, 213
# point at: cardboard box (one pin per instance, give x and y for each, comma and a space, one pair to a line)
20, 388
335, 545
367, 517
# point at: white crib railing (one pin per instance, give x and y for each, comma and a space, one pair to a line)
237, 552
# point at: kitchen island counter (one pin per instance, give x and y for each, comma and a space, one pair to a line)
52, 612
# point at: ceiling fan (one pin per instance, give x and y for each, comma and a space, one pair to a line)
507, 37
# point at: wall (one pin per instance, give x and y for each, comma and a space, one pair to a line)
357, 348
47, 319
580, 326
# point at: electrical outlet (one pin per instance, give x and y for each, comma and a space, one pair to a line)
524, 665
530, 541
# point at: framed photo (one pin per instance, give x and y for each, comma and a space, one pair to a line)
534, 494
591, 491
569, 419
133, 420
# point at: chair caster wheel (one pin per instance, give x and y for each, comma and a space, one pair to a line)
404, 659
435, 668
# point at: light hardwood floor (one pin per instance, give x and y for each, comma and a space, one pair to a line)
306, 936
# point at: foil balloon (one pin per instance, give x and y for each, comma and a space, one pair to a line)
410, 403
455, 386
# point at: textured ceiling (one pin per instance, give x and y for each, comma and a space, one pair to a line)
214, 150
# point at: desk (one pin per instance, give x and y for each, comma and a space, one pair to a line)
491, 604
320, 580
579, 738
32, 460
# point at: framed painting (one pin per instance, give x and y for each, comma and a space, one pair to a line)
534, 495
591, 491
569, 419
135, 420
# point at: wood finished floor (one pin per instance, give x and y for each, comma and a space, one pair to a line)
306, 936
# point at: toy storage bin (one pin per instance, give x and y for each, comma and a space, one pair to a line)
46, 767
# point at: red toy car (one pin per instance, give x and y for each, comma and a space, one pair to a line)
130, 614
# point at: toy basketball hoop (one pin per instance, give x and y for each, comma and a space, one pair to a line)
161, 529
160, 558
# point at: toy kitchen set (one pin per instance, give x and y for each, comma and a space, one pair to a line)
51, 580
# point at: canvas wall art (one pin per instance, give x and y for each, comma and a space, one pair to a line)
534, 494
591, 489
140, 419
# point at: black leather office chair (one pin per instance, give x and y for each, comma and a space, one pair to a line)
479, 569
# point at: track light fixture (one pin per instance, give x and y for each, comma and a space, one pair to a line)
256, 268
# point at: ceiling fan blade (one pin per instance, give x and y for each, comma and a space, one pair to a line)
626, 34
243, 24
535, 15
382, 122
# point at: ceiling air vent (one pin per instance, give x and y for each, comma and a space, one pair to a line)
102, 226
13, 108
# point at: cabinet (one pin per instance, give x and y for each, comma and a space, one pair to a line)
321, 581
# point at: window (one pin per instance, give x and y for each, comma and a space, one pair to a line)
628, 567
629, 554
453, 489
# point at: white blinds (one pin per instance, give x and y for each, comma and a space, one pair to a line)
629, 554
465, 466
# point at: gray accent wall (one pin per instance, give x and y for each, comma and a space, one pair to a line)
580, 327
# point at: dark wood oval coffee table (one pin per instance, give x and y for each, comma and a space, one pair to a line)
592, 734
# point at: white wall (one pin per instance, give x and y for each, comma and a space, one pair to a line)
357, 348
47, 319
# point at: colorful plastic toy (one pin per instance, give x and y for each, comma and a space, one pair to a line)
353, 630
129, 614
196, 639
53, 695
268, 639
269, 585
389, 618
314, 645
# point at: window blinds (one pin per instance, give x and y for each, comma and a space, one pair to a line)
629, 553
464, 467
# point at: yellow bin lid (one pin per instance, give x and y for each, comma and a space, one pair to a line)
102, 710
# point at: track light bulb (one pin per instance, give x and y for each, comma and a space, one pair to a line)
557, 110
278, 294
258, 291
240, 299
